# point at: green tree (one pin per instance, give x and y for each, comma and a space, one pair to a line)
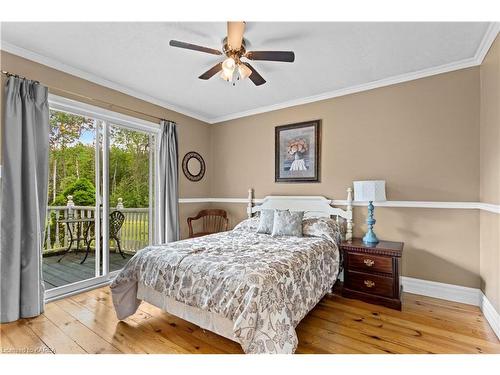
72, 158
65, 131
83, 192
129, 167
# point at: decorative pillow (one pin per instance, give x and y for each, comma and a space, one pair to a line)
249, 225
323, 227
287, 223
266, 221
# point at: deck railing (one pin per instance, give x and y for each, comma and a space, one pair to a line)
134, 233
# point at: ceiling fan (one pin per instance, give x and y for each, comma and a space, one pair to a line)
233, 47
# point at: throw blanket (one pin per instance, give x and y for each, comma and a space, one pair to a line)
264, 284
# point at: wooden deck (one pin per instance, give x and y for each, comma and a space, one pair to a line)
86, 323
69, 270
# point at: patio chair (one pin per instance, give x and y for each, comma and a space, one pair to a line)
116, 219
213, 221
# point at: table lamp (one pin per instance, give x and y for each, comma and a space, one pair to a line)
369, 191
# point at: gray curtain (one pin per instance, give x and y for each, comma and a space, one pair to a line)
167, 176
25, 150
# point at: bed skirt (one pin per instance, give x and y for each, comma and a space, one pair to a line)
204, 319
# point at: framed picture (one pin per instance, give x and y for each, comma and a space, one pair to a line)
297, 152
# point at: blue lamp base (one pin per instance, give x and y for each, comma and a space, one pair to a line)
370, 238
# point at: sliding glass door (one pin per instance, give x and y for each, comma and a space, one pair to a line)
130, 193
101, 194
73, 155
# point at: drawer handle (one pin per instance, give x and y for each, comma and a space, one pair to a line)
369, 283
369, 262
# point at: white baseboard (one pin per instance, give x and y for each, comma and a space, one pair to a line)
491, 315
449, 292
455, 293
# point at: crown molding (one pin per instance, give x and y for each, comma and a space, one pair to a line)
52, 63
477, 59
467, 63
488, 39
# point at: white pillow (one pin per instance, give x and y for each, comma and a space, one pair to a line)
287, 223
266, 221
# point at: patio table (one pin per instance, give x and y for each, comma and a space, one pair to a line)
87, 223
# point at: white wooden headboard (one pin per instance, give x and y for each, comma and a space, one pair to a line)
311, 205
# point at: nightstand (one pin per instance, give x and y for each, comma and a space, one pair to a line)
373, 273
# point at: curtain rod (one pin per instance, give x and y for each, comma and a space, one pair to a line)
17, 76
110, 105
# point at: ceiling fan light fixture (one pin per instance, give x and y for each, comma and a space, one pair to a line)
234, 48
244, 71
228, 67
225, 77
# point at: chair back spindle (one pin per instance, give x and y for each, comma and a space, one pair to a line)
212, 221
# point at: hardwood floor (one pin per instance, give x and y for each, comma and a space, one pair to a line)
86, 323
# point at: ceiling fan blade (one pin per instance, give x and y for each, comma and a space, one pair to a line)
255, 77
194, 47
284, 56
211, 72
235, 34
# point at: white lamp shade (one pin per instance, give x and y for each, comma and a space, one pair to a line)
366, 191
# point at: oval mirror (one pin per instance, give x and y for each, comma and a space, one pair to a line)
193, 166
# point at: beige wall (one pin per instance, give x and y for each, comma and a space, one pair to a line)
193, 134
490, 173
490, 126
422, 137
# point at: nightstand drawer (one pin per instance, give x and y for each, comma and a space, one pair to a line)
366, 262
369, 283
372, 272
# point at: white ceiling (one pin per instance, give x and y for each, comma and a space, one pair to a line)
331, 59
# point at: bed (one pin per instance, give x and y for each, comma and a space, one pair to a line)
249, 287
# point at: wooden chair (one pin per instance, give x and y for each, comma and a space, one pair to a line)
213, 221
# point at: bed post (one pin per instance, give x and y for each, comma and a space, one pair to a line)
348, 235
250, 203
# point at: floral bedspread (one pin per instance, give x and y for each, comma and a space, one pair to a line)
264, 284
